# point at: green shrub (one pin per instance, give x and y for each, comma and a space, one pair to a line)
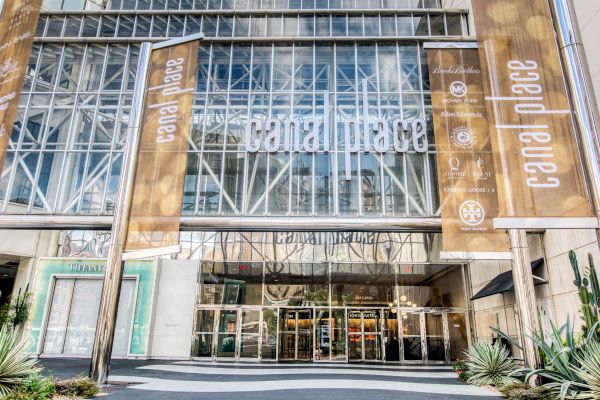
460, 366
464, 376
35, 387
523, 391
490, 365
16, 309
15, 364
77, 387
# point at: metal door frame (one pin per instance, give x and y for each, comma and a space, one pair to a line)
445, 336
296, 311
420, 313
362, 310
238, 332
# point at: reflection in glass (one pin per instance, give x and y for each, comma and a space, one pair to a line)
231, 283
362, 284
338, 334
269, 334
227, 333
435, 337
459, 339
296, 284
411, 337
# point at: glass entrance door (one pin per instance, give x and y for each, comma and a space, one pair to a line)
227, 333
295, 334
364, 335
236, 333
435, 337
412, 342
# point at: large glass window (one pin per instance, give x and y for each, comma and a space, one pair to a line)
231, 283
76, 108
307, 284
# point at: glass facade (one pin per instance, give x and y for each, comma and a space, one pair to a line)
303, 108
66, 147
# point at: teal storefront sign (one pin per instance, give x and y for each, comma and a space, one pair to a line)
49, 268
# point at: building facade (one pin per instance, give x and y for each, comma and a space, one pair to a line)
326, 252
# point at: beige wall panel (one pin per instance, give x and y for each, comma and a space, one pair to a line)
560, 241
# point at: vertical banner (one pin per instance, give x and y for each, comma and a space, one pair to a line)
540, 182
18, 23
465, 164
165, 130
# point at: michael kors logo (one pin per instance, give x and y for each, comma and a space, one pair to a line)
458, 89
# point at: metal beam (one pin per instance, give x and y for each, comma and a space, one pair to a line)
107, 315
224, 223
583, 98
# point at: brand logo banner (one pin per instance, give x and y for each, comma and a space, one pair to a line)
540, 173
465, 162
162, 159
17, 24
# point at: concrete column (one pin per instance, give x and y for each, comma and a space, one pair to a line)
524, 293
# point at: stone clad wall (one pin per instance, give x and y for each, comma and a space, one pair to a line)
558, 298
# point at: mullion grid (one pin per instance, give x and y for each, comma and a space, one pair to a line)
334, 166
206, 4
185, 17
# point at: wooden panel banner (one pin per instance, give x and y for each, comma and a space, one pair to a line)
18, 23
165, 130
465, 165
540, 177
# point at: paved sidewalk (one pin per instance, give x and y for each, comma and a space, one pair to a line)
250, 381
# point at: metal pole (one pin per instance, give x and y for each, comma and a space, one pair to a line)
524, 292
583, 98
105, 327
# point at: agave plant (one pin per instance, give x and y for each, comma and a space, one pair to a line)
15, 364
490, 364
589, 359
560, 351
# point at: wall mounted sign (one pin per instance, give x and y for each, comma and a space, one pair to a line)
364, 133
540, 177
465, 165
18, 23
166, 124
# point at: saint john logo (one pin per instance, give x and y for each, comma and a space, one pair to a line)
463, 138
471, 213
458, 89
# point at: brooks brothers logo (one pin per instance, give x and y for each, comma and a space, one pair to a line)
313, 134
463, 137
471, 213
458, 89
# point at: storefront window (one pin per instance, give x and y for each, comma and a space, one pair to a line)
231, 283
363, 285
296, 284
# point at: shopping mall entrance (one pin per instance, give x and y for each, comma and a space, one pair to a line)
420, 336
328, 297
